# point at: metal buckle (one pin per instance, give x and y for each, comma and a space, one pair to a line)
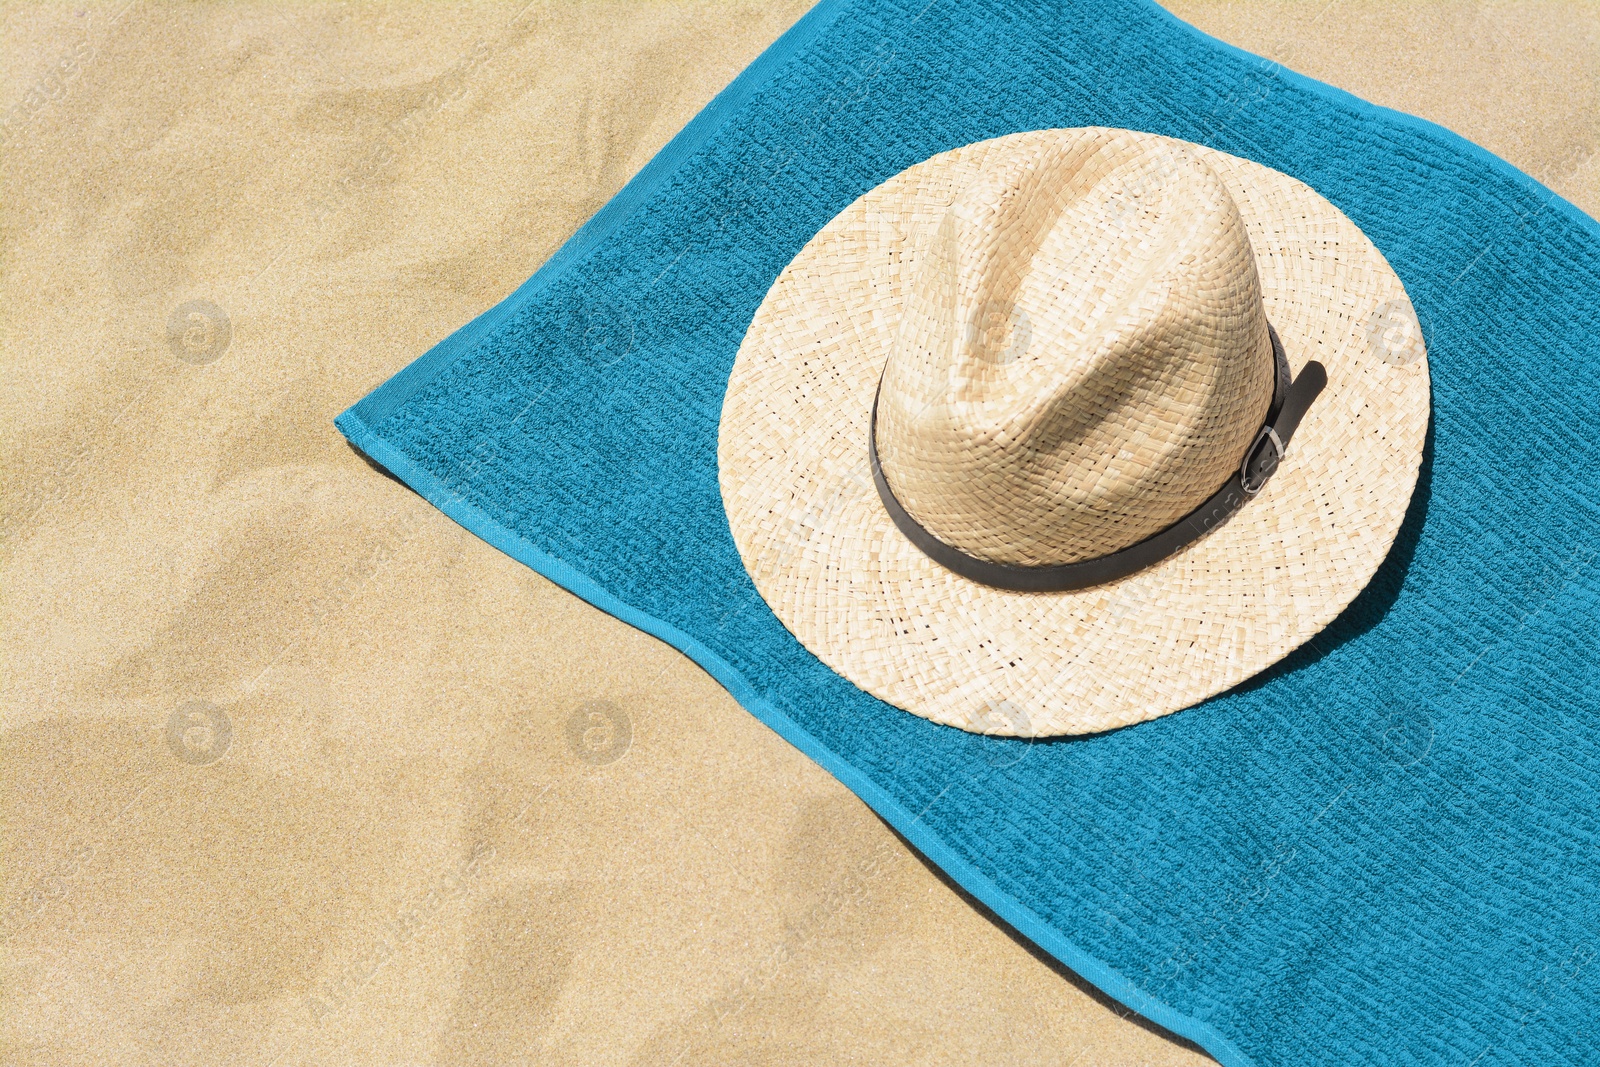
1260, 462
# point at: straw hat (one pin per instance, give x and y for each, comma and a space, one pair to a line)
1008, 443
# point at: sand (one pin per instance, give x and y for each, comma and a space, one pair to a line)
296, 771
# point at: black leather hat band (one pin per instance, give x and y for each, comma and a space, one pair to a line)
1290, 401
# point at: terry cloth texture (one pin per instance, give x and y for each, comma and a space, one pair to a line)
1383, 850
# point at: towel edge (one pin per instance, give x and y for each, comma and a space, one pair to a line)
388, 397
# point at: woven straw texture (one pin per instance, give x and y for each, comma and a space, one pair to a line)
826, 557
1082, 356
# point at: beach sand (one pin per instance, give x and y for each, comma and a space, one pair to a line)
296, 771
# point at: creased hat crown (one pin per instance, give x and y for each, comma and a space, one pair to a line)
1083, 357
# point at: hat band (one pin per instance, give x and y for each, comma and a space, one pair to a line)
1289, 405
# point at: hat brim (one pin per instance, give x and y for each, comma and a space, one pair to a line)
824, 554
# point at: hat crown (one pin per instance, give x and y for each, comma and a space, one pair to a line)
1083, 358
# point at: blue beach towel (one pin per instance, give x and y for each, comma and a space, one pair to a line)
1384, 850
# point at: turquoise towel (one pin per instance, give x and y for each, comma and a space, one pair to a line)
1383, 850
